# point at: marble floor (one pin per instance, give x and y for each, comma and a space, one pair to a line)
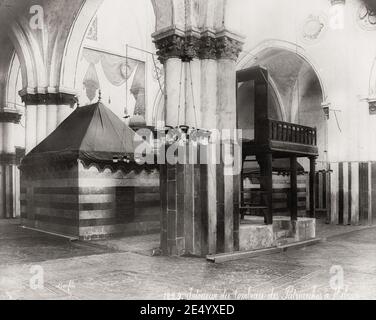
38, 266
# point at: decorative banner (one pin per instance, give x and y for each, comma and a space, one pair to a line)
91, 82
118, 70
138, 90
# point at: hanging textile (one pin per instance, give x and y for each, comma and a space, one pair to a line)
138, 90
117, 69
91, 82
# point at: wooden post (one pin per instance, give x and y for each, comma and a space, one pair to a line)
294, 188
2, 192
261, 108
266, 166
328, 199
312, 174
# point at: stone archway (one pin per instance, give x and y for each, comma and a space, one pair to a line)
247, 58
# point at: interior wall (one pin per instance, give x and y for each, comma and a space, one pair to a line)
246, 108
311, 28
311, 114
295, 97
119, 23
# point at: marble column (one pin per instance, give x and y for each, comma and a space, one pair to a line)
208, 111
170, 47
44, 113
200, 202
9, 192
174, 241
228, 47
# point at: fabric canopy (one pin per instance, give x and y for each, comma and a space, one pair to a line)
92, 133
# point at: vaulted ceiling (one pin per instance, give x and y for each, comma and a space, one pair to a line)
291, 76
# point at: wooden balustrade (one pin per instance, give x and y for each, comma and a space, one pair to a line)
291, 132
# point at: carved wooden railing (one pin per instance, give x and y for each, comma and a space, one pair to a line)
291, 132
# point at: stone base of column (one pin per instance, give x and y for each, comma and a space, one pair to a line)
228, 213
184, 219
9, 187
200, 208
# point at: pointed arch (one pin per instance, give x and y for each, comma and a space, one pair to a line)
6, 58
164, 13
247, 58
73, 44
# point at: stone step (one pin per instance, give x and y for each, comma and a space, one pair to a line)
299, 244
282, 234
284, 241
225, 257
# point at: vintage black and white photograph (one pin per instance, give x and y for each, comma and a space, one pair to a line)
195, 150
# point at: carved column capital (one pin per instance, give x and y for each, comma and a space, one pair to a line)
8, 159
228, 48
208, 48
49, 99
190, 46
10, 116
12, 158
171, 46
185, 48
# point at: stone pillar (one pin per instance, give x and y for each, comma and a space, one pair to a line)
177, 200
184, 208
170, 48
228, 47
199, 197
8, 163
44, 113
208, 111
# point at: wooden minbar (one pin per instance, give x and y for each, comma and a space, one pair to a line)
275, 139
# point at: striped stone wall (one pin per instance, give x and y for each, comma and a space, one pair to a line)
90, 203
281, 193
49, 199
114, 203
322, 193
352, 193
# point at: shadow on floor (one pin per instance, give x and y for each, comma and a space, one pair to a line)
19, 245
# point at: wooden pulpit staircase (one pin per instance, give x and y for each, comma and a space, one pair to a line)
252, 202
274, 139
